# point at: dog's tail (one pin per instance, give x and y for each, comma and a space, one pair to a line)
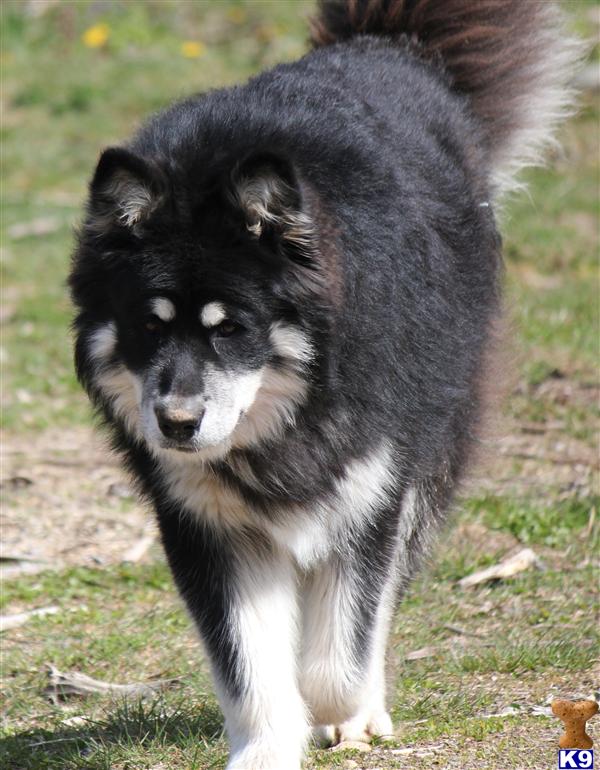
512, 58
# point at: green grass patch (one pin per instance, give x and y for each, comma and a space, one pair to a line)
138, 734
83, 583
458, 728
425, 697
534, 521
574, 652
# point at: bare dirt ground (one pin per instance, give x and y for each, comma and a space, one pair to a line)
67, 501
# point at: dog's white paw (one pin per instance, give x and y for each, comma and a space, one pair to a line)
323, 736
365, 726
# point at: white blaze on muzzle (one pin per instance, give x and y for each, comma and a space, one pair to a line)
228, 395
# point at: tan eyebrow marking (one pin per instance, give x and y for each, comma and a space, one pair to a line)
163, 308
212, 314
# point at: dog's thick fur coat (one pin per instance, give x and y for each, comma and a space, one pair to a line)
284, 294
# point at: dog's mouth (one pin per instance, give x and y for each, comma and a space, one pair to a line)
187, 447
174, 445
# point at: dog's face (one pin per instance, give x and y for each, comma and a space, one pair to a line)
189, 336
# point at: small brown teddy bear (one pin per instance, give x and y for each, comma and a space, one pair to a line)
575, 714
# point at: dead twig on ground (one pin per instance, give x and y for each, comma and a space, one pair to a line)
19, 619
63, 684
505, 569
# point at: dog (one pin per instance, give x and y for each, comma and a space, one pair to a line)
285, 294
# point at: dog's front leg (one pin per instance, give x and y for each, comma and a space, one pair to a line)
265, 718
242, 595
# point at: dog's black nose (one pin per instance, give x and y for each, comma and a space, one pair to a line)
178, 424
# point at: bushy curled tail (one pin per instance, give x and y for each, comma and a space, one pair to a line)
513, 58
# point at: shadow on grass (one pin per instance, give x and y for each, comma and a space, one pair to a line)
125, 728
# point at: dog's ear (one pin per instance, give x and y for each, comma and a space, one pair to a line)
270, 197
124, 191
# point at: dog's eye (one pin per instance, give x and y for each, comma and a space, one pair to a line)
153, 324
227, 328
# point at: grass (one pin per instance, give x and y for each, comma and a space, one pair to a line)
534, 521
512, 643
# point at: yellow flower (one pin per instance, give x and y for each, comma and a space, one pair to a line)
268, 32
191, 49
236, 15
96, 36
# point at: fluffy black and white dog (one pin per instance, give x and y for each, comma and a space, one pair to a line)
285, 292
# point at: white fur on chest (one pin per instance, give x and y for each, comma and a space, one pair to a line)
308, 532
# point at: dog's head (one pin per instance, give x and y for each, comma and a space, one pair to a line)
194, 331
